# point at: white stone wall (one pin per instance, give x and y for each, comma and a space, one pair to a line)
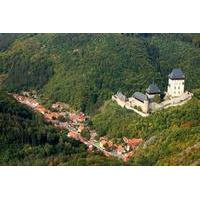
175, 88
155, 106
119, 102
150, 96
144, 106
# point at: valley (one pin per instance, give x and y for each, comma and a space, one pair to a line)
75, 124
73, 120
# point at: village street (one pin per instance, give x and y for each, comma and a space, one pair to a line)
75, 124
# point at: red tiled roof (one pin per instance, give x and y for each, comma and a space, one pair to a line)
132, 142
73, 134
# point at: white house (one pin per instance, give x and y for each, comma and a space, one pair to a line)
176, 83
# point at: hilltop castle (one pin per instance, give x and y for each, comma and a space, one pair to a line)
150, 101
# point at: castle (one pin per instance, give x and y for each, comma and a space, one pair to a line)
150, 101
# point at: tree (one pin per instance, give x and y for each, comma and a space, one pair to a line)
52, 138
86, 134
157, 98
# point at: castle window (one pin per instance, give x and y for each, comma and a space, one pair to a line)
175, 87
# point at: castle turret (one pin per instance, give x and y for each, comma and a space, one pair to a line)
152, 90
176, 83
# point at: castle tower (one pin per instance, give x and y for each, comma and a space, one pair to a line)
152, 90
176, 83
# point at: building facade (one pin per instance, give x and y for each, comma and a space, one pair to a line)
140, 100
176, 83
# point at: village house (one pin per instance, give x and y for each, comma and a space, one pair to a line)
120, 150
26, 100
105, 142
77, 118
60, 106
25, 93
62, 125
102, 143
90, 148
81, 117
80, 128
73, 134
41, 109
51, 115
127, 156
132, 143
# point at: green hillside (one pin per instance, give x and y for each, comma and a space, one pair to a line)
85, 69
25, 139
171, 136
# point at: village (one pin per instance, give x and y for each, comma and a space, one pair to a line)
76, 124
151, 101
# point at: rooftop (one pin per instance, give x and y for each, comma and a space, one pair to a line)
176, 74
153, 89
139, 96
121, 96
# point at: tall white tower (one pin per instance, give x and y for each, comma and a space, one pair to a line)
176, 83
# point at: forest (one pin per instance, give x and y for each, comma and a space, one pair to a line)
84, 70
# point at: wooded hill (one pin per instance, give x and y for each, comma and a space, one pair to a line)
86, 69
171, 136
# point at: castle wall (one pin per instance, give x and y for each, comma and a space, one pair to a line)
119, 102
143, 105
150, 96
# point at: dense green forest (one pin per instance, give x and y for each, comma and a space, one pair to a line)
84, 70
